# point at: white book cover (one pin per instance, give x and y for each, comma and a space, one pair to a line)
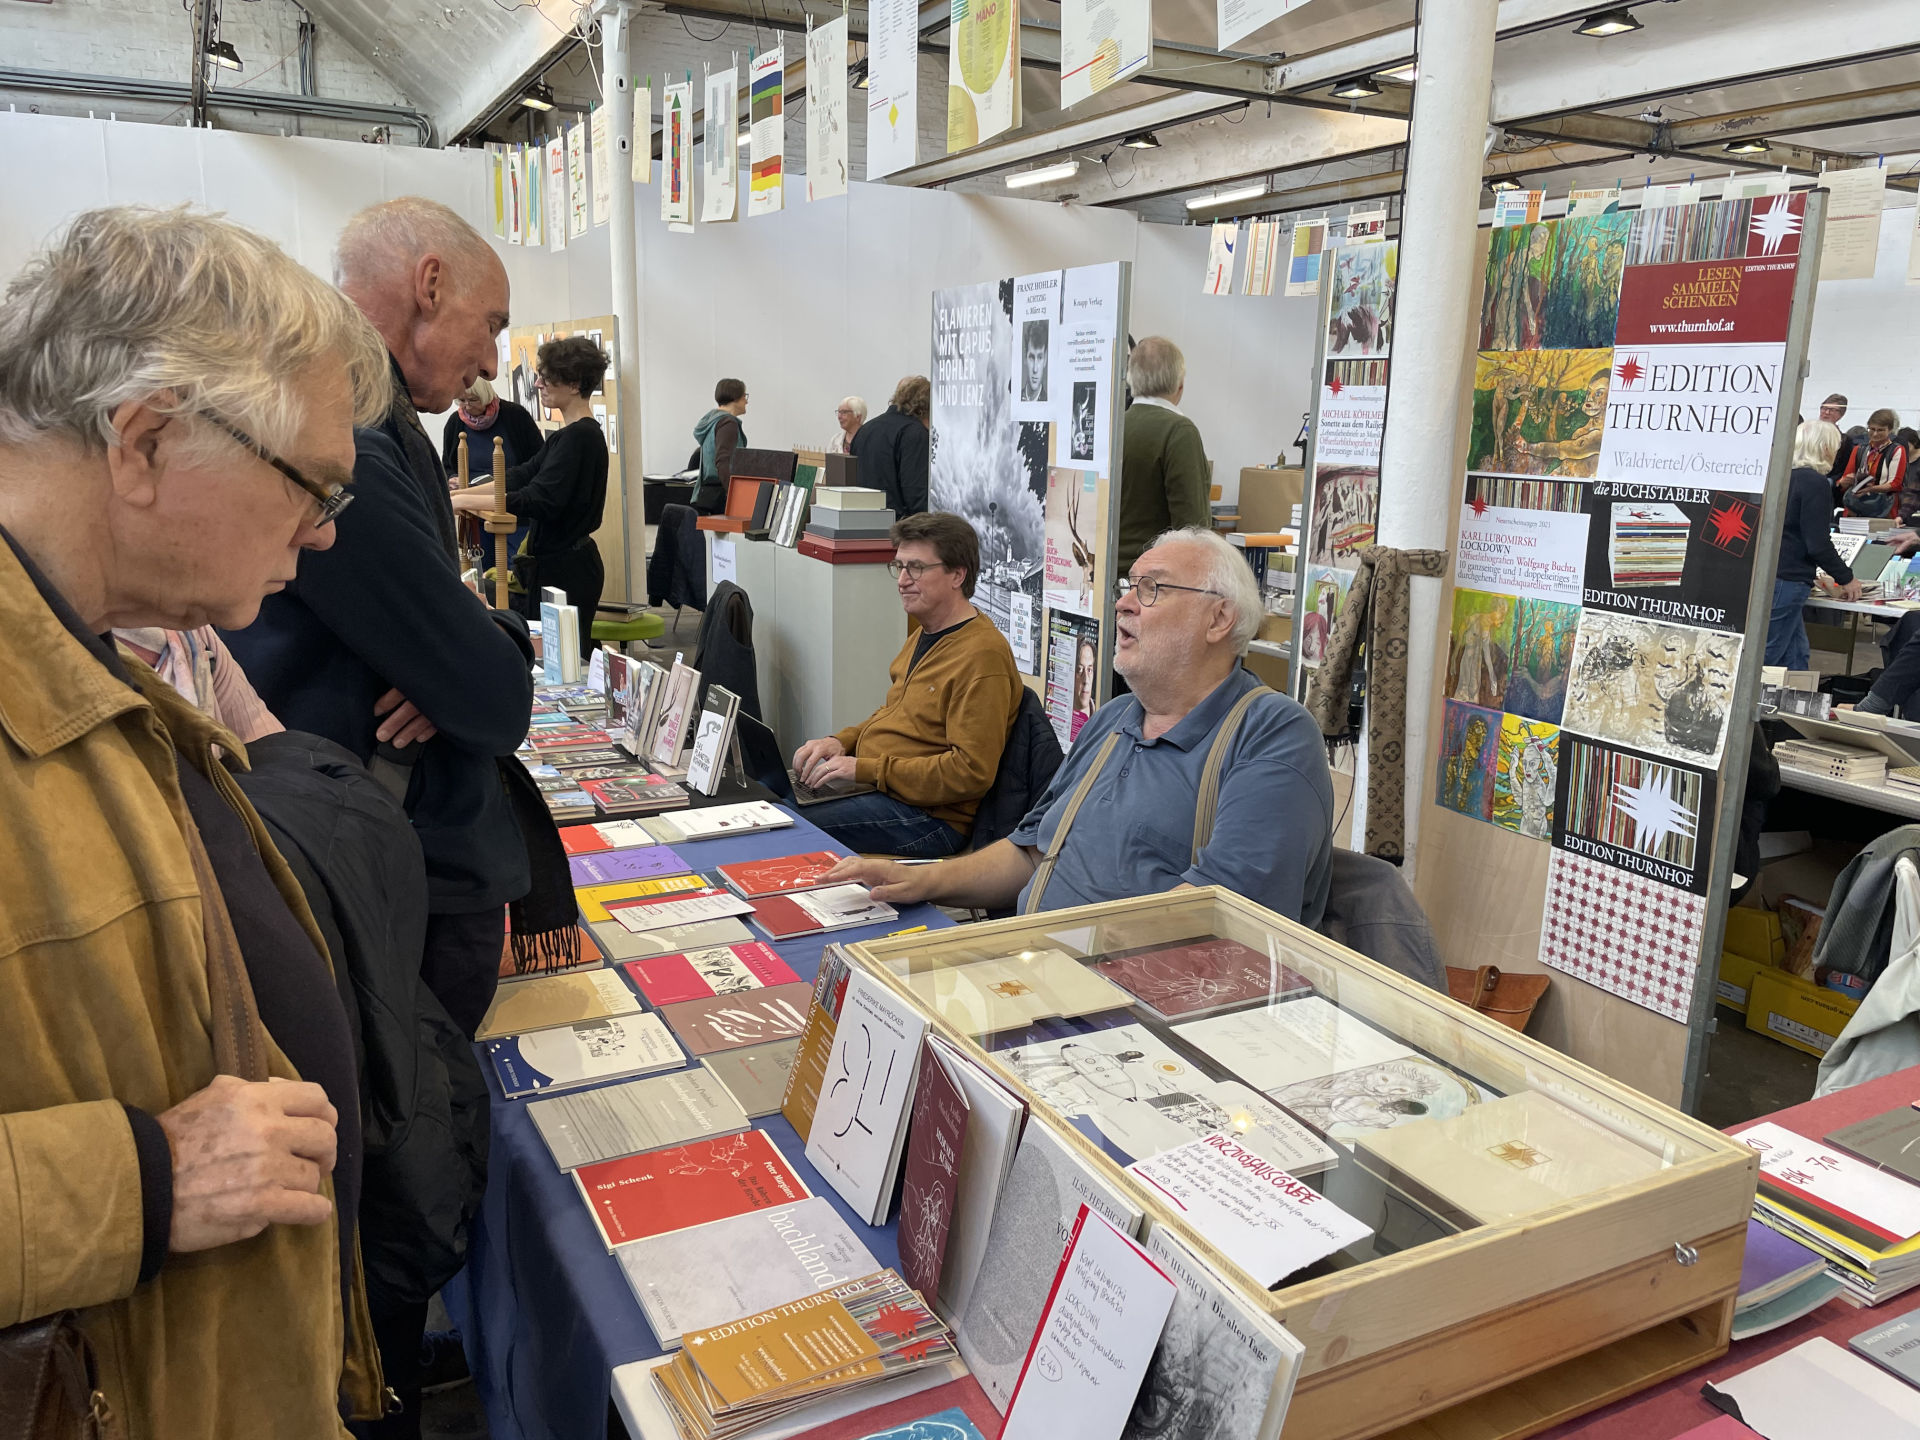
995, 1116
676, 709
1833, 1179
725, 1270
1261, 1218
1296, 1040
860, 1123
1096, 1339
1223, 1370
619, 1120
713, 820
841, 907
712, 740
1031, 1226
581, 1053
621, 835
689, 911
623, 944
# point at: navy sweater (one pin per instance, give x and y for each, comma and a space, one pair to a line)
1806, 540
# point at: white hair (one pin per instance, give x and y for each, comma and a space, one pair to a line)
1156, 368
857, 405
1227, 575
383, 243
479, 392
1815, 444
184, 310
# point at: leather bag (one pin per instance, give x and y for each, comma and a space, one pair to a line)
1497, 994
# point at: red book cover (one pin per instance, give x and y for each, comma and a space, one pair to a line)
704, 974
1200, 977
644, 1195
635, 796
815, 548
611, 835
571, 737
755, 879
935, 1136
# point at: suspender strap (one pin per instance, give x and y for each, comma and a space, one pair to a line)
1208, 803
1044, 871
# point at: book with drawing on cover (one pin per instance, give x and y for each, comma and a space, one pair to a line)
668, 1190
550, 1000
730, 1022
676, 711
596, 900
646, 796
612, 1121
757, 879
715, 970
536, 1061
608, 835
611, 867
936, 1139
860, 1124
712, 739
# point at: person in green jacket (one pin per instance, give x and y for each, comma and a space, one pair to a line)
1165, 479
718, 435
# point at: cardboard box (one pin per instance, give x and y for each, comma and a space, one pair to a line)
1755, 933
1267, 497
1797, 1012
1736, 979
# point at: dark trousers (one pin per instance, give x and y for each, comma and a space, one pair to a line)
462, 963
581, 573
1898, 688
398, 1327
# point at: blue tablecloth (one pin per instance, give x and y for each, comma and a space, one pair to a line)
543, 1308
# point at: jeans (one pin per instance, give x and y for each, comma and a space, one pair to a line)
876, 824
1786, 629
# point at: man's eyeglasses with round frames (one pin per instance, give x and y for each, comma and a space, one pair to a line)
1148, 589
915, 568
331, 499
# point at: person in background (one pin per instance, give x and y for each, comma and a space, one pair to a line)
1165, 479
562, 492
932, 749
1907, 436
177, 403
203, 672
1183, 620
487, 419
894, 449
1086, 670
1806, 544
718, 434
1873, 482
850, 415
1832, 410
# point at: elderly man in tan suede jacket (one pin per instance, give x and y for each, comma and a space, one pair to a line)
179, 1127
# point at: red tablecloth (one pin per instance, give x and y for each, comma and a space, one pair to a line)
1675, 1407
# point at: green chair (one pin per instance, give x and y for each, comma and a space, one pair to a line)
627, 631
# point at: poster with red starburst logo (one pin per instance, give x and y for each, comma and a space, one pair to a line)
1693, 415
1670, 552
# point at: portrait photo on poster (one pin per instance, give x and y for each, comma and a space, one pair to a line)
1080, 437
1034, 336
1037, 392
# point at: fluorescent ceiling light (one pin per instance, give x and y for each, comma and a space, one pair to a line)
745, 139
1608, 22
1358, 88
1145, 140
222, 53
1227, 197
1045, 175
1753, 145
1503, 183
538, 97
1408, 73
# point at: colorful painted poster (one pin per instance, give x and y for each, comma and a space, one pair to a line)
1671, 552
1543, 635
579, 196
1539, 412
1480, 647
643, 134
1073, 673
600, 137
1524, 775
893, 78
1360, 321
1513, 307
1661, 688
1346, 513
1326, 593
497, 188
1102, 42
1073, 502
1583, 290
1692, 414
1635, 812
1303, 268
1540, 553
827, 110
558, 203
676, 156
767, 132
720, 148
983, 72
1628, 935
1220, 242
1469, 749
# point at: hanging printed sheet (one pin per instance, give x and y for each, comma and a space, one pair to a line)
1238, 19
533, 192
720, 151
983, 72
1101, 43
893, 78
1219, 277
827, 110
556, 213
643, 134
676, 156
1303, 267
767, 137
600, 135
497, 188
579, 197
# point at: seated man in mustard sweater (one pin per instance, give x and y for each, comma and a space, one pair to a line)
931, 751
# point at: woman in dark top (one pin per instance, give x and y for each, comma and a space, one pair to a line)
561, 492
893, 448
484, 418
1806, 544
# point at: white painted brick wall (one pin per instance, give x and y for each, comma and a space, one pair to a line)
152, 40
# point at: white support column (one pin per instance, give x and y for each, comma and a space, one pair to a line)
617, 88
1431, 344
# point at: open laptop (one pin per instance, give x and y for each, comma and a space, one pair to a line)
805, 794
760, 752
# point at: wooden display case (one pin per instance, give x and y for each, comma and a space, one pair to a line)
1498, 1329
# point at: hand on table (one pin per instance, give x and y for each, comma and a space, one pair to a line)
886, 880
405, 725
1849, 591
246, 1156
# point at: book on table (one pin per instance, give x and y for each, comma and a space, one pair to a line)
1198, 978
711, 822
595, 899
665, 1190
757, 879
682, 907
860, 1123
676, 714
592, 956
809, 912
649, 862
713, 739
706, 973
995, 1116
587, 1127
733, 1022
936, 1141
648, 689
647, 796
756, 1075
550, 1000
1008, 992
608, 835
1295, 1040
621, 944
849, 497
617, 1048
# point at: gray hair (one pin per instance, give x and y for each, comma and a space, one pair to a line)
1156, 368
184, 310
857, 405
479, 392
1815, 444
384, 242
1229, 576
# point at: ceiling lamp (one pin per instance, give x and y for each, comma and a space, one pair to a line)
539, 96
1608, 22
1753, 145
1358, 88
1145, 140
1227, 197
222, 53
1504, 183
1045, 175
862, 74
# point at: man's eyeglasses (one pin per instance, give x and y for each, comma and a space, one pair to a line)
915, 568
331, 499
1148, 589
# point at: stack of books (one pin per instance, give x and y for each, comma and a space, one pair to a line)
1649, 545
1833, 760
1865, 525
732, 1378
849, 525
1904, 777
635, 795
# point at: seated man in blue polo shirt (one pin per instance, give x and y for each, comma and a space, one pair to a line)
1129, 793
